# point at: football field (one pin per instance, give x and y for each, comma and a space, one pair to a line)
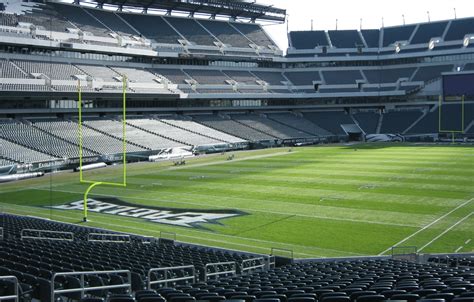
325, 201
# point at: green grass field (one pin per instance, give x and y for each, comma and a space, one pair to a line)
317, 201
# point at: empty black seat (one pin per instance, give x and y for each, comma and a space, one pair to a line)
446, 296
389, 293
336, 299
91, 299
424, 292
265, 292
371, 298
455, 290
463, 299
156, 298
246, 298
358, 294
467, 294
280, 297
406, 297
212, 298
121, 298
182, 299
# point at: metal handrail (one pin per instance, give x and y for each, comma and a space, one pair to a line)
273, 249
208, 274
271, 262
40, 237
249, 265
173, 235
83, 289
15, 283
148, 239
408, 253
166, 270
127, 238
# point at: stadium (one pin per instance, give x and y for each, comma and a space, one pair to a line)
171, 150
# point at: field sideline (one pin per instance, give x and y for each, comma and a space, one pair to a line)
326, 201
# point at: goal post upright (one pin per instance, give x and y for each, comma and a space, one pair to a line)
92, 183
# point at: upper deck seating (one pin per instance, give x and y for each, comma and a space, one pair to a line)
308, 39
345, 38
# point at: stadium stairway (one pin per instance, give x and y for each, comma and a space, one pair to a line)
416, 122
227, 125
293, 121
257, 123
380, 123
367, 121
134, 124
103, 126
190, 125
181, 134
190, 130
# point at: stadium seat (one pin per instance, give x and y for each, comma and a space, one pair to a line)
446, 296
90, 299
370, 298
335, 299
406, 297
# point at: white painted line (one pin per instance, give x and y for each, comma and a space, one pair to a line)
459, 248
427, 226
445, 231
467, 241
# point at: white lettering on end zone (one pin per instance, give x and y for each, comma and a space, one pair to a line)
177, 217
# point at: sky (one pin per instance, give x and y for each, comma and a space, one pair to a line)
349, 12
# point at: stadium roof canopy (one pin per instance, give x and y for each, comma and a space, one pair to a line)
232, 8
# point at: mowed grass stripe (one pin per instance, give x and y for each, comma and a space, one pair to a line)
268, 190
416, 205
196, 179
316, 177
461, 171
372, 160
193, 199
318, 212
152, 188
410, 173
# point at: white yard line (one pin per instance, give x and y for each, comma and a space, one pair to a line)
445, 231
458, 249
467, 241
427, 226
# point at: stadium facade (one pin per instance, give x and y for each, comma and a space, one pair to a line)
213, 85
